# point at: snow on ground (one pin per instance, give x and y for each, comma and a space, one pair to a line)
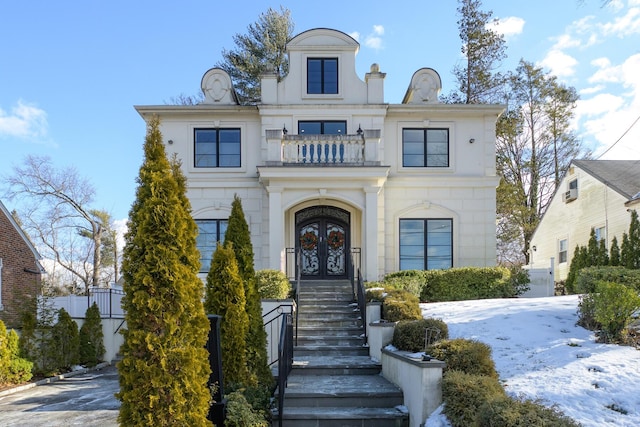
540, 353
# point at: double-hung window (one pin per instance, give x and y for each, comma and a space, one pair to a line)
426, 244
425, 147
322, 75
217, 148
562, 251
210, 232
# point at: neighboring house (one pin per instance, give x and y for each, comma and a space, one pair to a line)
325, 166
20, 269
594, 194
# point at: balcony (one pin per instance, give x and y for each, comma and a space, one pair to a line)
322, 150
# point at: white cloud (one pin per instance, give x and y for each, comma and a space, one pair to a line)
624, 25
509, 26
374, 40
559, 63
591, 90
24, 121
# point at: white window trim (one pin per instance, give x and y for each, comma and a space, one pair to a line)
566, 251
303, 80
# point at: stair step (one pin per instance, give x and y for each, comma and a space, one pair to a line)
331, 350
340, 391
335, 365
344, 417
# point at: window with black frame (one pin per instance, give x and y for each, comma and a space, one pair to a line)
210, 232
425, 147
322, 75
217, 148
426, 244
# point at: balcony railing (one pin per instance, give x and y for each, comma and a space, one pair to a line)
323, 150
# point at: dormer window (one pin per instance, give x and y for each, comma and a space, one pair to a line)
322, 75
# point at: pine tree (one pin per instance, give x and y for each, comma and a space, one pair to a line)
91, 337
614, 252
626, 252
592, 249
225, 297
603, 255
164, 370
238, 234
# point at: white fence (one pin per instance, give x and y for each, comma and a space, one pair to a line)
108, 300
542, 284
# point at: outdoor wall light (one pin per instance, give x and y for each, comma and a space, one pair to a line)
472, 140
359, 131
170, 141
284, 129
534, 248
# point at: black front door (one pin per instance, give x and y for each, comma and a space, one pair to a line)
323, 243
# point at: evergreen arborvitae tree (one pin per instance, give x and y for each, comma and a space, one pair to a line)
592, 250
603, 255
634, 241
165, 369
626, 253
225, 297
91, 337
66, 341
614, 252
579, 260
238, 234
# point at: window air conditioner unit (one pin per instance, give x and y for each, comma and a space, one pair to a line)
571, 195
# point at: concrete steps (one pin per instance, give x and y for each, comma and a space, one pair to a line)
334, 382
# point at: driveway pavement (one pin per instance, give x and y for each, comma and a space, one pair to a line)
82, 400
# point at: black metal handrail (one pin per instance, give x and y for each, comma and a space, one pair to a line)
362, 305
273, 326
285, 360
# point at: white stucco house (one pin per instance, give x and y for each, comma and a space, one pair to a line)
325, 166
596, 194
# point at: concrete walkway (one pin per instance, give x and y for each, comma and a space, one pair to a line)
85, 399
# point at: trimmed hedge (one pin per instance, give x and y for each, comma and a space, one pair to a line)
466, 283
588, 277
469, 356
464, 393
410, 335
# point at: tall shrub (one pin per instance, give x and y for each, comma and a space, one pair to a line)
614, 253
239, 236
164, 370
613, 306
13, 368
225, 297
630, 248
66, 341
91, 337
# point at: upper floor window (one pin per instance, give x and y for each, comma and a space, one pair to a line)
217, 148
210, 232
426, 244
562, 251
600, 233
573, 185
322, 127
425, 147
322, 75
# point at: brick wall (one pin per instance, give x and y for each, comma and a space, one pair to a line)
18, 285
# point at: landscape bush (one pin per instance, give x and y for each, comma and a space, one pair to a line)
411, 281
400, 305
241, 414
66, 341
465, 393
272, 284
410, 335
588, 277
469, 356
613, 305
13, 368
508, 412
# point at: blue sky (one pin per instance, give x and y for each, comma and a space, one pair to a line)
71, 71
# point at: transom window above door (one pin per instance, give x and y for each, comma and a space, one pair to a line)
322, 75
322, 127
